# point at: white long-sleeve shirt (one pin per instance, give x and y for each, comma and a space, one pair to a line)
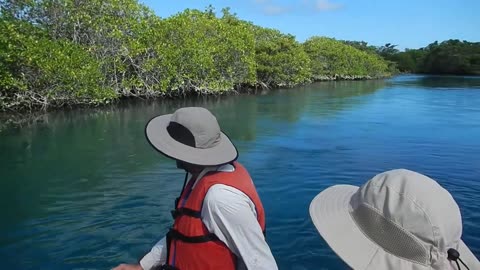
231, 216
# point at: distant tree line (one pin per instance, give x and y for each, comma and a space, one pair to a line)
56, 53
450, 57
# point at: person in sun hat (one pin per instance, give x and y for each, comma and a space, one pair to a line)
399, 219
219, 220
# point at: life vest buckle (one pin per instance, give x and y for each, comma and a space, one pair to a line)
168, 267
174, 213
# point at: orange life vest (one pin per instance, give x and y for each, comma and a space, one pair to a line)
190, 246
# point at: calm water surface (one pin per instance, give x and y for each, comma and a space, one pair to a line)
84, 190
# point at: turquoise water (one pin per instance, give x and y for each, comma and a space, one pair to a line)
84, 190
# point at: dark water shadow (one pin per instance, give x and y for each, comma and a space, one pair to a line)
437, 82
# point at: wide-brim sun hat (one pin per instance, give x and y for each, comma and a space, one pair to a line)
191, 135
397, 220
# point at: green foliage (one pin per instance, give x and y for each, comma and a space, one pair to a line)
37, 71
361, 45
118, 33
66, 52
387, 50
408, 60
330, 57
205, 53
449, 57
281, 60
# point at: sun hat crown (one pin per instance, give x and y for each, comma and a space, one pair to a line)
201, 123
410, 215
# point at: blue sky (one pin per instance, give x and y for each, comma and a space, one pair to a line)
408, 23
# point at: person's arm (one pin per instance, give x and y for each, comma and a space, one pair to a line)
157, 256
231, 216
128, 267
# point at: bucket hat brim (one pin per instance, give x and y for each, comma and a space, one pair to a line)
330, 213
157, 135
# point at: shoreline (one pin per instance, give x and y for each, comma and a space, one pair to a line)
243, 89
24, 117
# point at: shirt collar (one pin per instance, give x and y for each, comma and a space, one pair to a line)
221, 168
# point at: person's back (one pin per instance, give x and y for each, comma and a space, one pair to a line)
205, 214
397, 220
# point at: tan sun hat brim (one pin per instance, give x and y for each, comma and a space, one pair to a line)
468, 257
330, 214
157, 135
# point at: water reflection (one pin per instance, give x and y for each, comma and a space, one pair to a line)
337, 96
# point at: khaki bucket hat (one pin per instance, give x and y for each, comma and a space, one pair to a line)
191, 135
399, 219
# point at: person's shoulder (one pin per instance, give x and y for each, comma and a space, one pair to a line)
220, 193
222, 197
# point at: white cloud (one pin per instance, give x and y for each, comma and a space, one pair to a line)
272, 7
275, 9
326, 5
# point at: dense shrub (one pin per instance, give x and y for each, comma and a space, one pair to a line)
65, 52
330, 57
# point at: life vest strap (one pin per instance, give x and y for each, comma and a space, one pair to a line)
185, 212
176, 235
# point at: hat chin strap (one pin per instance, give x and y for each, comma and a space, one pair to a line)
183, 188
185, 181
454, 255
